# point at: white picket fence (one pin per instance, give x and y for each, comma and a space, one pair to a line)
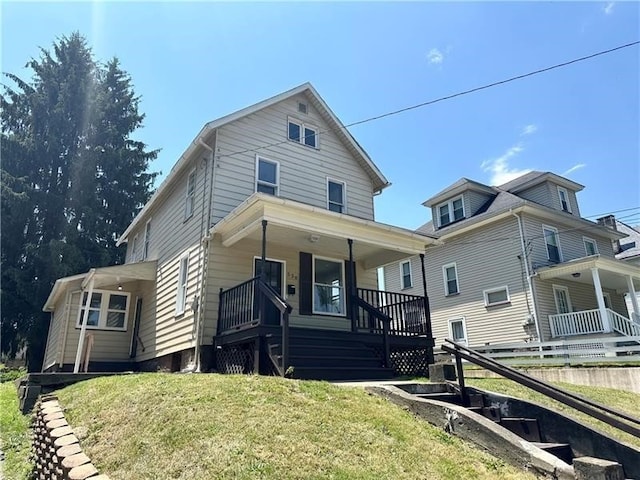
605, 349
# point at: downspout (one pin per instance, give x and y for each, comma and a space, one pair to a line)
65, 316
528, 275
203, 248
85, 317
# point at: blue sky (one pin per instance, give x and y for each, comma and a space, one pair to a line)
194, 62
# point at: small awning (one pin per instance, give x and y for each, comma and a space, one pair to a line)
613, 273
103, 276
298, 225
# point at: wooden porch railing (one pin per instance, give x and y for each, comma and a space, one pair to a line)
407, 314
590, 321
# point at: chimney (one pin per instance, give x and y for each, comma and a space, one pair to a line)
610, 221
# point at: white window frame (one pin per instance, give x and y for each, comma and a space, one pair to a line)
449, 205
303, 134
462, 320
134, 246
344, 195
183, 284
343, 287
557, 236
402, 284
446, 283
104, 310
488, 291
190, 195
564, 289
263, 182
586, 240
147, 240
563, 191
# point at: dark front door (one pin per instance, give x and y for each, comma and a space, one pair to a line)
273, 270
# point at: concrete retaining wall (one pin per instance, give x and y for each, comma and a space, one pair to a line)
621, 378
57, 452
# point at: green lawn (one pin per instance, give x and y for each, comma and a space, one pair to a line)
156, 426
15, 439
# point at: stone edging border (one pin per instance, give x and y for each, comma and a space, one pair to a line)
57, 452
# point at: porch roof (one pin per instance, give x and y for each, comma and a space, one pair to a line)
613, 273
299, 225
103, 276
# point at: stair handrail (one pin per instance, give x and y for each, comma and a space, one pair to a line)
619, 322
578, 402
285, 309
386, 323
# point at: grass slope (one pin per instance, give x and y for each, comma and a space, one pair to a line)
159, 426
15, 437
619, 399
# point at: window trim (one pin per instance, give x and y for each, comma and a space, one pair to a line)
565, 289
450, 209
181, 290
557, 236
446, 283
463, 321
303, 126
190, 199
146, 240
562, 190
486, 293
257, 173
586, 240
104, 309
344, 194
606, 297
402, 284
132, 253
342, 288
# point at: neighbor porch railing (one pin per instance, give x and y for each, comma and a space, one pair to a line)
590, 321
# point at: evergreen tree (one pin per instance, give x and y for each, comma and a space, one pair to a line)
72, 180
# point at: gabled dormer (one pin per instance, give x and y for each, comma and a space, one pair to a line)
463, 199
548, 189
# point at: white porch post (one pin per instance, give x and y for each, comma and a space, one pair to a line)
634, 299
600, 298
85, 318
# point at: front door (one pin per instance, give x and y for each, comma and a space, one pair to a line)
273, 272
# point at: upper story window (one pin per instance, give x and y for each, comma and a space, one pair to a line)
405, 275
189, 201
590, 246
147, 240
552, 242
335, 196
450, 211
183, 275
496, 296
134, 246
267, 176
328, 286
301, 133
107, 310
450, 273
564, 199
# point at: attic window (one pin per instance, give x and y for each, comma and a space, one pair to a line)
564, 199
450, 211
301, 133
302, 107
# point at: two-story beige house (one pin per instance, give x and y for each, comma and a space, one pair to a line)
258, 253
517, 262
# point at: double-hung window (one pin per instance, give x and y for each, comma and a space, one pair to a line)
267, 174
405, 275
301, 133
335, 196
450, 273
564, 199
189, 201
328, 286
147, 240
552, 242
134, 246
183, 275
590, 246
450, 211
107, 310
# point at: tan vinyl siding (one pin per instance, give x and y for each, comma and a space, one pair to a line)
541, 194
303, 170
56, 331
473, 201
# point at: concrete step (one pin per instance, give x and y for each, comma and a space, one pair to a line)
442, 397
526, 428
561, 450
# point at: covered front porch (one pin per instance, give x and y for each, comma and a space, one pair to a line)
314, 286
608, 280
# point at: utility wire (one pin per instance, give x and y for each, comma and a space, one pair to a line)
442, 99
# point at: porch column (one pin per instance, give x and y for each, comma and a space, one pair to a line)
634, 300
600, 298
427, 314
83, 328
263, 257
352, 287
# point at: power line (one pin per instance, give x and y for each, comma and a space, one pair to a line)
442, 99
612, 212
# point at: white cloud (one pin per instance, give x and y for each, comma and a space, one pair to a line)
435, 56
608, 8
529, 129
499, 167
577, 166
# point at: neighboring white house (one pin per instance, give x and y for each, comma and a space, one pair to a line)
628, 251
517, 262
279, 190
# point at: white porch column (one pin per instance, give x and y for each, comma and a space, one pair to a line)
634, 299
83, 328
600, 298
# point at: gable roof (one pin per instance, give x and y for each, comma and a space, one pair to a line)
199, 142
457, 188
534, 178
